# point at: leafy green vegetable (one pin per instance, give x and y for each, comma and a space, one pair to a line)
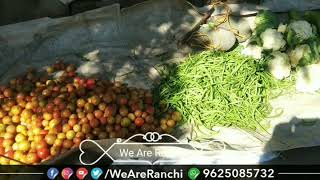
313, 55
301, 55
299, 32
265, 19
314, 18
294, 15
315, 49
220, 88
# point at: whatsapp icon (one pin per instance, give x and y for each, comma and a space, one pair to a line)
193, 173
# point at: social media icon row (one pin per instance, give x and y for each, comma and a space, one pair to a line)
81, 173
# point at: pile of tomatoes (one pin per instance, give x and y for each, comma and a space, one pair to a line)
43, 115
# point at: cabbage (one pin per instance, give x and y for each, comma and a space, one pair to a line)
299, 32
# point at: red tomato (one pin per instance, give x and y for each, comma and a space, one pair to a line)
9, 154
1, 141
76, 79
91, 81
135, 107
103, 120
32, 158
123, 101
138, 113
82, 82
59, 127
71, 74
150, 109
108, 112
2, 150
148, 100
42, 144
90, 84
139, 122
94, 123
43, 153
50, 107
44, 132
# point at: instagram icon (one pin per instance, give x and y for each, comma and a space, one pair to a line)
66, 173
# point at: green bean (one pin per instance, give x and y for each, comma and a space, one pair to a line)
220, 89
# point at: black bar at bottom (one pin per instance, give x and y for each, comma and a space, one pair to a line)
309, 172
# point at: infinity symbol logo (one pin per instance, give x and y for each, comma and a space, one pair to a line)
148, 137
105, 152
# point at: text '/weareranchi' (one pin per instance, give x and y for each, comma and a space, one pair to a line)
149, 173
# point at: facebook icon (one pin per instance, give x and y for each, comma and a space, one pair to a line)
52, 173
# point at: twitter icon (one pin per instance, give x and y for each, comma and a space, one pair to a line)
96, 173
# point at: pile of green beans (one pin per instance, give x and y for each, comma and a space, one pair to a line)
220, 89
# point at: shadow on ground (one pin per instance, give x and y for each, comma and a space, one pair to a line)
296, 136
128, 44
